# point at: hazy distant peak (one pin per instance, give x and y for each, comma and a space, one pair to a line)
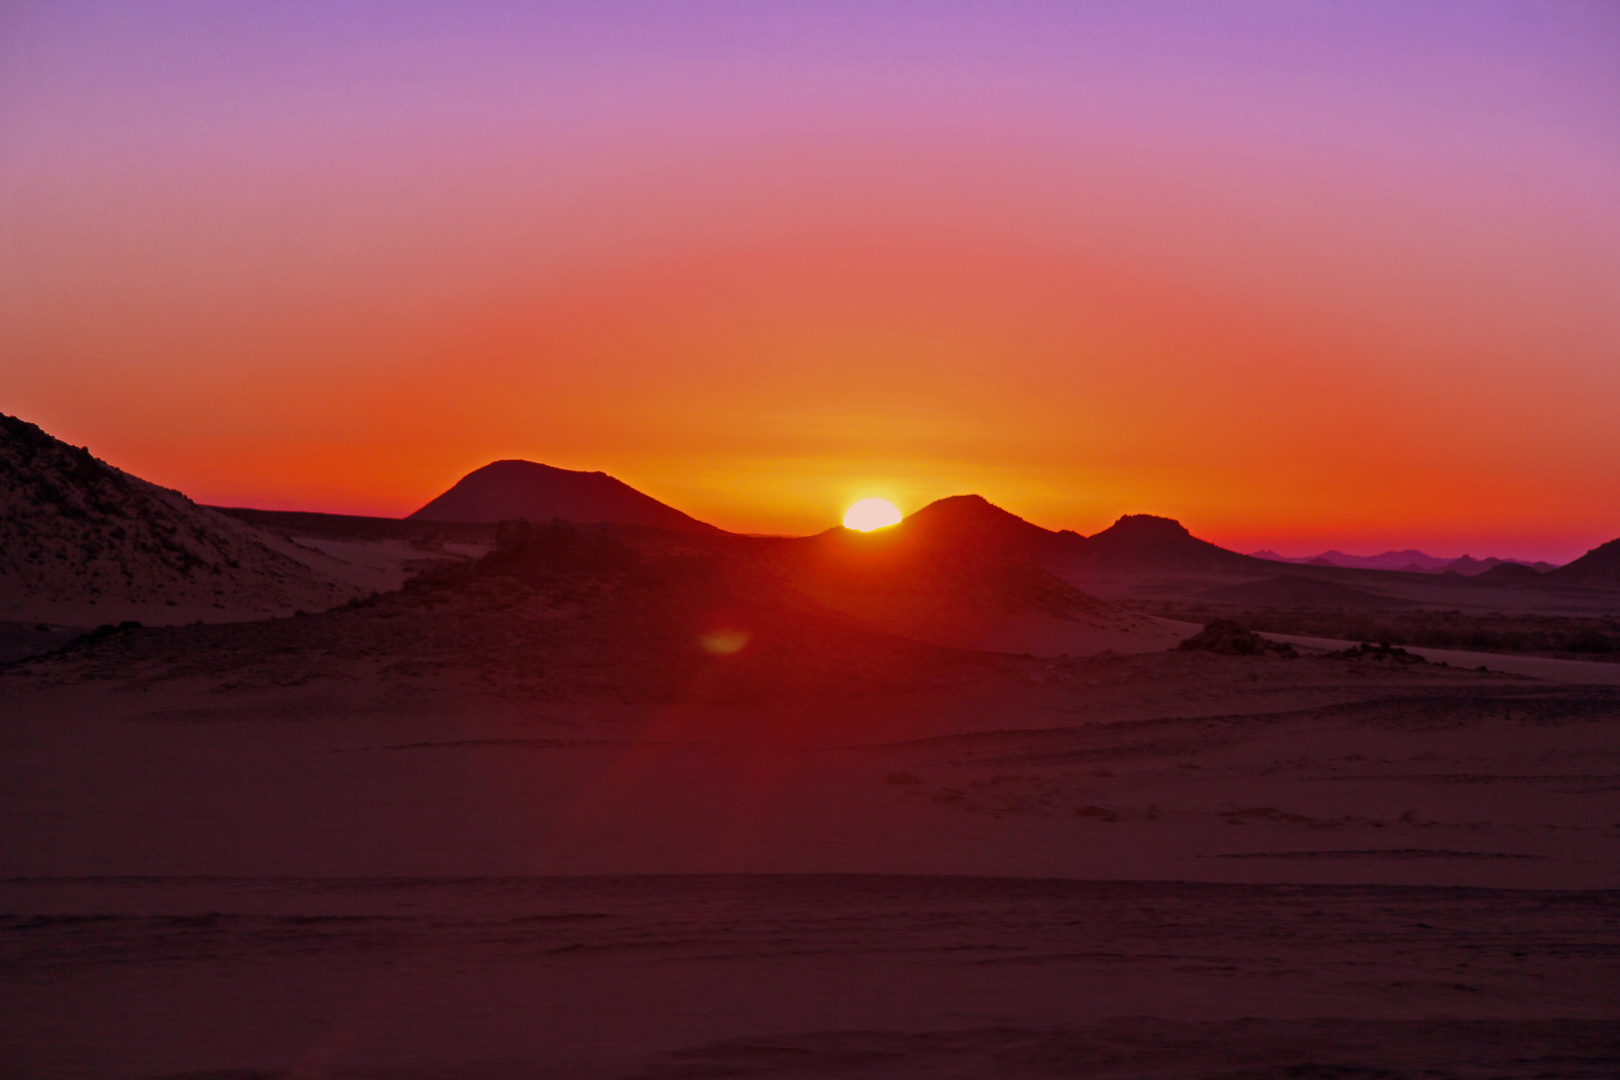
1410, 560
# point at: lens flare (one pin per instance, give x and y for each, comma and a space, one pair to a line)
724, 642
869, 514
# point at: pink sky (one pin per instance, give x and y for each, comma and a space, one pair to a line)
1298, 275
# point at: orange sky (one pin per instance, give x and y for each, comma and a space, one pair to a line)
1293, 306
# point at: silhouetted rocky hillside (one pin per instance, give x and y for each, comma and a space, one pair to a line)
81, 541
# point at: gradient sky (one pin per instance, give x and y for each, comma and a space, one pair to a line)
1300, 275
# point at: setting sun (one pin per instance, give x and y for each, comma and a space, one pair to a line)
869, 514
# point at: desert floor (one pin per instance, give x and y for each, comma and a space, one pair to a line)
1167, 864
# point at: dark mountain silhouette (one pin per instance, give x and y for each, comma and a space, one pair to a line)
971, 525
1298, 591
1508, 573
1146, 542
1468, 566
960, 571
956, 561
82, 542
1599, 567
511, 490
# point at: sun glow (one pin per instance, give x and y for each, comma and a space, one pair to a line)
869, 514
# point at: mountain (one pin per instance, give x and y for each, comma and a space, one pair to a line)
1599, 567
84, 543
972, 526
1508, 573
961, 572
969, 527
512, 490
1146, 542
1472, 567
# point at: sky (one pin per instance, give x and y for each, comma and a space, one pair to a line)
1300, 275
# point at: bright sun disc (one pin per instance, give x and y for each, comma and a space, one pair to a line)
869, 514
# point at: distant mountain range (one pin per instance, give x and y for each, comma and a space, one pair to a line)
82, 542
970, 523
958, 572
1410, 560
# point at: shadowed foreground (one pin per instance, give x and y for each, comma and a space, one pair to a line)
804, 975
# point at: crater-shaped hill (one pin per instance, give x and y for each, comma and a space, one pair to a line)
1144, 542
513, 489
1298, 591
84, 543
1598, 568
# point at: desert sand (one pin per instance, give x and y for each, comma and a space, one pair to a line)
396, 840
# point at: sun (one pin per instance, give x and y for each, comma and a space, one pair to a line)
869, 514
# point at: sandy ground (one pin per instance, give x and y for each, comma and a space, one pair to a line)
802, 976
1166, 864
1536, 667
1163, 766
1040, 635
372, 565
